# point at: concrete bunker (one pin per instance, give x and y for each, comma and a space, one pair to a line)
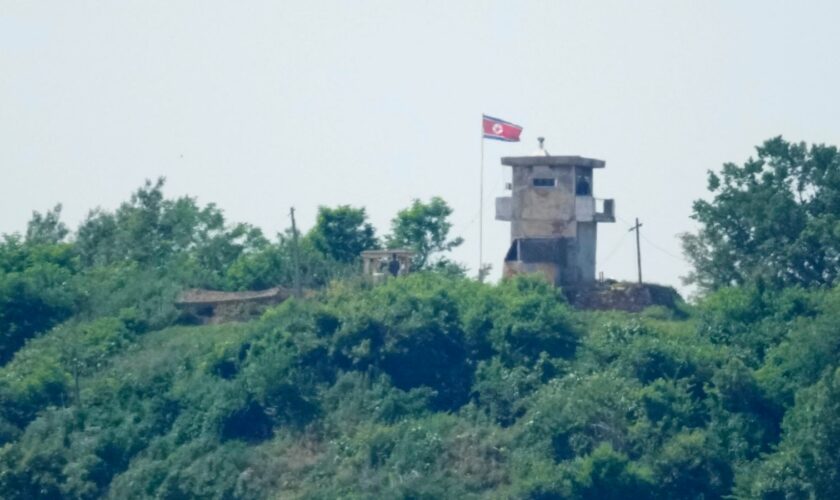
199, 306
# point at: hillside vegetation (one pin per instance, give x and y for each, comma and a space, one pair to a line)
432, 385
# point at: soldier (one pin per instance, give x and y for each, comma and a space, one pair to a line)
394, 265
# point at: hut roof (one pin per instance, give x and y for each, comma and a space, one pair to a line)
199, 296
402, 252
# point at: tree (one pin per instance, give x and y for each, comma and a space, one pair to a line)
274, 265
36, 291
174, 235
410, 330
46, 228
423, 227
342, 233
806, 464
530, 319
775, 219
606, 473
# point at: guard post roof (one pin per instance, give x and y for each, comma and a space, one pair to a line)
552, 161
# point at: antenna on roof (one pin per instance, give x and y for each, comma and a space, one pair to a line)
541, 151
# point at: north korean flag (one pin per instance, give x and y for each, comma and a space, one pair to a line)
500, 130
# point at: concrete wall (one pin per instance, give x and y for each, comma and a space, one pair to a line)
587, 243
585, 208
625, 297
543, 212
504, 208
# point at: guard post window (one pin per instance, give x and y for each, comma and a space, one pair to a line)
543, 182
583, 186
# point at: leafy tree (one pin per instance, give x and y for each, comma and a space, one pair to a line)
410, 330
342, 233
273, 265
776, 219
690, 465
46, 228
608, 474
571, 416
264, 268
811, 345
36, 290
500, 390
531, 319
176, 236
423, 227
807, 464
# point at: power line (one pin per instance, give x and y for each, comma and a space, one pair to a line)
613, 250
666, 252
654, 245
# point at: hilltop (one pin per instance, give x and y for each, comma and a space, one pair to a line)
431, 385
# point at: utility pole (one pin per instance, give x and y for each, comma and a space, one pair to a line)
638, 248
295, 255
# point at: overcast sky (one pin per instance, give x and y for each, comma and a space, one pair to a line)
259, 106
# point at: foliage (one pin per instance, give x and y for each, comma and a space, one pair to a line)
424, 228
159, 233
430, 385
342, 233
773, 219
36, 292
806, 464
47, 228
274, 264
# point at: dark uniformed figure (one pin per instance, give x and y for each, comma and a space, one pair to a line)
583, 187
394, 265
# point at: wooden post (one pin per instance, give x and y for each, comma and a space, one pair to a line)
638, 249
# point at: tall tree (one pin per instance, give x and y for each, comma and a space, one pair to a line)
423, 227
775, 219
343, 232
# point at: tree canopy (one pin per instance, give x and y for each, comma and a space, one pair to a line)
342, 233
424, 228
774, 219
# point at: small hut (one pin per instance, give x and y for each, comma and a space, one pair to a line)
380, 264
213, 306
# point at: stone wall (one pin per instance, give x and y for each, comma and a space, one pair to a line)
631, 297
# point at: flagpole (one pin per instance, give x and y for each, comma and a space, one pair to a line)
481, 204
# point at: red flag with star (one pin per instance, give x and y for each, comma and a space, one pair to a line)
500, 130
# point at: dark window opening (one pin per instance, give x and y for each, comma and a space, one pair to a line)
531, 250
583, 187
543, 250
547, 183
513, 252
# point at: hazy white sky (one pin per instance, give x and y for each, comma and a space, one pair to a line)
259, 106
